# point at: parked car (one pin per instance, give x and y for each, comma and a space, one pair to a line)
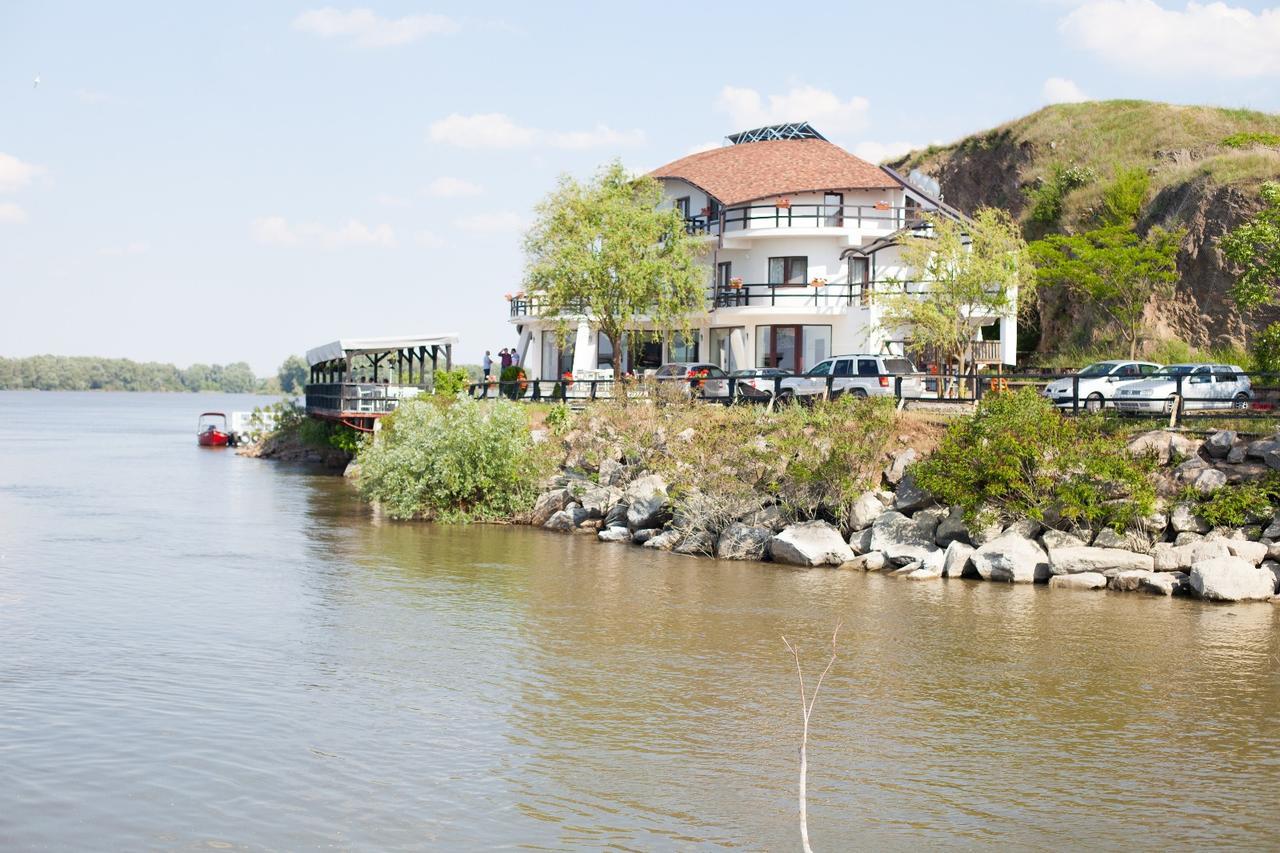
757, 383
714, 384
1098, 383
1204, 386
858, 374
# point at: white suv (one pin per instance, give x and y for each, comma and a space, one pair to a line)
1097, 384
859, 375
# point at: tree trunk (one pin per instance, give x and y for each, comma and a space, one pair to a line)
1133, 344
619, 389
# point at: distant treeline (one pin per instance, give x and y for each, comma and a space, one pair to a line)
87, 373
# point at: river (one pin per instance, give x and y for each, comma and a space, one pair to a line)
199, 651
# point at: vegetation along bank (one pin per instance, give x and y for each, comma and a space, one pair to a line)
1014, 492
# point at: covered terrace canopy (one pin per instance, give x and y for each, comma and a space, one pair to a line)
376, 359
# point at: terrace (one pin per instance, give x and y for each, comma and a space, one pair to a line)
773, 217
355, 381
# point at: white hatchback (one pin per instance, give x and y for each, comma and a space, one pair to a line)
1203, 386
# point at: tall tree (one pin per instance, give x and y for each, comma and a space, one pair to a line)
609, 249
1114, 269
293, 374
968, 271
1254, 250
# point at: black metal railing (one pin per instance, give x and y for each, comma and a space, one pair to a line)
1234, 397
745, 217
362, 398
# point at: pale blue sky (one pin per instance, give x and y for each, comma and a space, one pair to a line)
215, 182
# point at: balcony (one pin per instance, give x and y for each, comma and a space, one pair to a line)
787, 296
833, 216
533, 306
356, 400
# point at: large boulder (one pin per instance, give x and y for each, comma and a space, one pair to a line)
1254, 552
1231, 579
616, 516
1128, 581
1209, 480
1154, 443
1071, 561
1132, 541
1052, 539
1083, 580
1012, 557
870, 562
612, 472
663, 541
955, 561
1258, 449
1218, 444
1164, 583
930, 568
810, 543
547, 505
897, 467
860, 542
902, 540
598, 500
646, 500
865, 510
561, 520
951, 528
614, 534
909, 497
739, 541
700, 543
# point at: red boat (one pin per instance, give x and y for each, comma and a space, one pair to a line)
211, 430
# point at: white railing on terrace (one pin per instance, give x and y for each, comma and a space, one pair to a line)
771, 216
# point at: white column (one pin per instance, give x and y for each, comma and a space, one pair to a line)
584, 348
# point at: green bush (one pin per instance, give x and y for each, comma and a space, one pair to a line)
451, 383
1238, 505
559, 418
1265, 349
454, 461
1250, 139
514, 385
1017, 457
1047, 198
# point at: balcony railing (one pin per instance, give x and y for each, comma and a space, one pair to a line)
534, 306
769, 216
364, 399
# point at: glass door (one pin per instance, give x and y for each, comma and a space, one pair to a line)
785, 349
833, 209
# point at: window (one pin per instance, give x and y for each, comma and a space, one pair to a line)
820, 369
682, 205
713, 208
724, 272
1147, 369
727, 347
1224, 374
868, 367
604, 352
681, 348
794, 348
792, 270
646, 354
859, 275
844, 367
833, 210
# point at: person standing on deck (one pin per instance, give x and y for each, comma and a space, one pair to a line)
487, 364
505, 357
515, 358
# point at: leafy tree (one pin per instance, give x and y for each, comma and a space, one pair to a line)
1114, 269
1122, 201
1047, 197
238, 378
1254, 250
293, 374
607, 249
970, 270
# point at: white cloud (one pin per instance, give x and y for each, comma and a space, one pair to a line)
390, 200
14, 173
748, 109
11, 214
367, 29
137, 247
491, 222
497, 130
446, 187
1059, 90
1213, 39
428, 240
878, 152
278, 231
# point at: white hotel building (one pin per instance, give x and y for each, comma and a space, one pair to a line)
801, 234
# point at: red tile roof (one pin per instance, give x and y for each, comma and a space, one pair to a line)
754, 170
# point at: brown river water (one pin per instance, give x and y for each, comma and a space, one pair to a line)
203, 651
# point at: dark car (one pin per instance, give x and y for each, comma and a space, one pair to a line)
757, 383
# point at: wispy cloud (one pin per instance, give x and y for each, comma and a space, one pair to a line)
278, 231
11, 214
1059, 90
1211, 39
498, 222
499, 131
878, 152
15, 174
391, 200
365, 28
828, 112
137, 247
446, 187
428, 240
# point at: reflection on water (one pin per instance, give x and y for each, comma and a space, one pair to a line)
203, 650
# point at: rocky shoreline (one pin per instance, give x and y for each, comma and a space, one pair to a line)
900, 530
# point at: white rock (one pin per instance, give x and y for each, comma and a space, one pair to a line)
561, 520
1187, 537
901, 539
860, 542
898, 466
741, 542
956, 559
1108, 538
1012, 558
1218, 444
1166, 557
615, 534
646, 500
664, 541
1154, 443
1163, 583
1183, 519
1060, 539
548, 504
1231, 579
870, 562
930, 568
865, 510
810, 543
1026, 528
1254, 552
1084, 580
1070, 561
1209, 480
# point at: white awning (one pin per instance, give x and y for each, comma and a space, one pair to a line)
356, 346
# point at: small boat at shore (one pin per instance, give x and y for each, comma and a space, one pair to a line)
211, 430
